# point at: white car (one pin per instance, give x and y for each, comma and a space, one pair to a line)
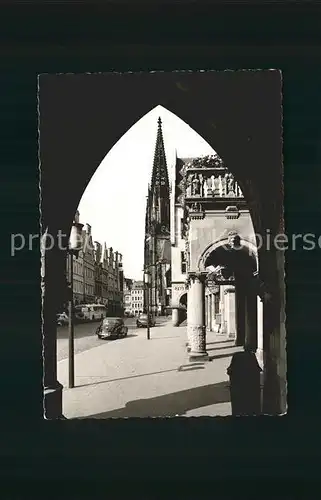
62, 319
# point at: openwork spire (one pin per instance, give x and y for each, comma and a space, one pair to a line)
160, 173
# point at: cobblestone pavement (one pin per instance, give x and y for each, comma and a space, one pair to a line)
136, 377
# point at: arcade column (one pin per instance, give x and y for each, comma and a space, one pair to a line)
52, 269
240, 314
259, 352
196, 330
230, 311
175, 316
251, 321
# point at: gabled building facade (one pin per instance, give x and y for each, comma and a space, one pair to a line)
128, 285
88, 266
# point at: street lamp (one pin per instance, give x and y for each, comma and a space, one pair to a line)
147, 283
75, 245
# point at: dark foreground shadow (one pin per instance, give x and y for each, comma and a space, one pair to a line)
170, 405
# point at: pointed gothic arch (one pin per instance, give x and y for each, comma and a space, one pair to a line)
237, 113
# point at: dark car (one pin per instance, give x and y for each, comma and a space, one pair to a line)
111, 328
142, 321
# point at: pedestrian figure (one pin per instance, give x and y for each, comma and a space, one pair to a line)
245, 388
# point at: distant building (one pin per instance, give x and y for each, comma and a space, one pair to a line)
88, 266
109, 279
97, 275
137, 298
104, 276
128, 284
78, 273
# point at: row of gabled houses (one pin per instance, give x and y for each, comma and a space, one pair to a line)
97, 274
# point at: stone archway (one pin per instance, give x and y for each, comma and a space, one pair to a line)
238, 114
235, 271
182, 307
245, 244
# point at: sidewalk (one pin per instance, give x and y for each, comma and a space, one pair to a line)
136, 377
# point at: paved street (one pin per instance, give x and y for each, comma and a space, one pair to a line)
85, 337
134, 377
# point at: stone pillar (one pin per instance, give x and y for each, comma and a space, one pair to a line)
259, 351
222, 310
240, 315
210, 317
52, 279
251, 319
196, 330
275, 384
230, 311
206, 312
175, 316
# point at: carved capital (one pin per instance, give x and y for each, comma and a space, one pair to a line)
229, 290
196, 277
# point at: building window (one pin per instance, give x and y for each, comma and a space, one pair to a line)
182, 229
183, 263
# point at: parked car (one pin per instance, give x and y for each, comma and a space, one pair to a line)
112, 328
141, 321
62, 319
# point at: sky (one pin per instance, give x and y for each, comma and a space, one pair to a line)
114, 201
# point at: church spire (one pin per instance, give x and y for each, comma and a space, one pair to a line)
160, 173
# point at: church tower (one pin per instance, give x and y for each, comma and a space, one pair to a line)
157, 229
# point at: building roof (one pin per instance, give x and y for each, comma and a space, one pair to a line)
160, 172
138, 284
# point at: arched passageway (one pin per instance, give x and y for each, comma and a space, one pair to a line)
238, 113
234, 271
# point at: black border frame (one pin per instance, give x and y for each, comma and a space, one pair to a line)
78, 38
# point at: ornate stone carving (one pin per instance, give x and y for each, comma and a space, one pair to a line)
232, 212
212, 286
230, 183
194, 277
196, 335
234, 240
221, 275
196, 188
218, 183
197, 277
196, 211
209, 161
196, 207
